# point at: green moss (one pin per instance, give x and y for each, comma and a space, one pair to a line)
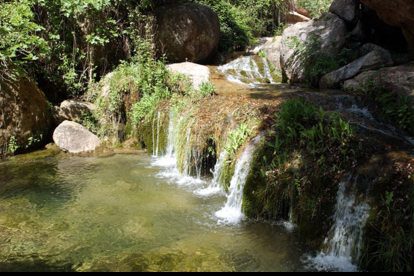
243, 73
147, 133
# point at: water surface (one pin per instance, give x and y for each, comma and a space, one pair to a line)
124, 213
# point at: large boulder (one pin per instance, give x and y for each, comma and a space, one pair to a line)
71, 110
347, 10
198, 74
188, 32
24, 114
330, 32
373, 60
74, 138
398, 13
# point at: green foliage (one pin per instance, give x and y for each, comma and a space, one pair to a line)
390, 231
317, 63
316, 7
207, 89
394, 108
19, 41
12, 147
242, 21
297, 172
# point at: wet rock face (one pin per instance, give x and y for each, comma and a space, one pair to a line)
188, 32
74, 138
24, 113
398, 13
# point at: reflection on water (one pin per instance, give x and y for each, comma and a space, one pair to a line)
121, 214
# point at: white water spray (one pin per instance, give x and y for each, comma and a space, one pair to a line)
232, 212
345, 237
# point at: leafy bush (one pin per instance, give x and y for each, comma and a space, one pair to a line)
393, 107
20, 41
317, 63
389, 241
316, 7
242, 21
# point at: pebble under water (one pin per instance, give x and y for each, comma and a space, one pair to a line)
125, 212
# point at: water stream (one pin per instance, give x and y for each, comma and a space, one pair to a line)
344, 243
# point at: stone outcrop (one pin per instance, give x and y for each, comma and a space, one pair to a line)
347, 10
398, 13
399, 79
71, 110
373, 60
271, 47
197, 73
188, 32
74, 138
331, 31
24, 113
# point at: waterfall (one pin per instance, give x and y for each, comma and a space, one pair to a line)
231, 213
246, 70
267, 73
344, 242
158, 133
215, 185
153, 136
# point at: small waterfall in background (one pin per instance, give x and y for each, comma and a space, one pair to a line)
344, 242
232, 213
245, 70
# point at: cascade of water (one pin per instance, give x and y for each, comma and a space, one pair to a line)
345, 237
231, 213
215, 185
187, 155
158, 133
267, 73
153, 136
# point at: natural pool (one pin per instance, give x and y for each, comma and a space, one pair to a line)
123, 213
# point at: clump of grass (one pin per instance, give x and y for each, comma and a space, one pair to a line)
390, 231
299, 168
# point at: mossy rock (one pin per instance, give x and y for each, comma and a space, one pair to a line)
149, 135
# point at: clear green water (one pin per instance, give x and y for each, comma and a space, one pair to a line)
116, 214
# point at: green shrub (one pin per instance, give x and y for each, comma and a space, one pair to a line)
316, 7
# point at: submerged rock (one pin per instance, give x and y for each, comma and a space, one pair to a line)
188, 32
25, 113
74, 138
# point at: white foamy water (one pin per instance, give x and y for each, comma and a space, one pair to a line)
232, 213
345, 238
215, 186
251, 70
